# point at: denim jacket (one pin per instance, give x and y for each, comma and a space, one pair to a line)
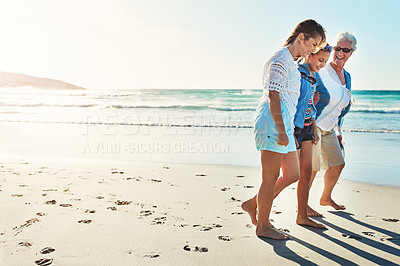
305, 93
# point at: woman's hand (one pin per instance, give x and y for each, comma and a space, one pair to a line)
340, 139
315, 136
283, 138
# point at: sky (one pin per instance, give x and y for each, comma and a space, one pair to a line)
205, 44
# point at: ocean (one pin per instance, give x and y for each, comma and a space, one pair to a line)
184, 126
375, 111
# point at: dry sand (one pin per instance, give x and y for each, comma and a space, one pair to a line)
92, 212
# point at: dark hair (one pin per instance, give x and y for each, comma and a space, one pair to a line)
310, 28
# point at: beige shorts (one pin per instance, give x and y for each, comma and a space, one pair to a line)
327, 152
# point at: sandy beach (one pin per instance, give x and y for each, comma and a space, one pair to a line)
103, 212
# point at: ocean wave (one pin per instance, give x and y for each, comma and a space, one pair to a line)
100, 123
378, 111
48, 105
372, 130
184, 107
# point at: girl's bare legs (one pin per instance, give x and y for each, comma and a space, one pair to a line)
290, 174
330, 179
303, 186
310, 211
270, 163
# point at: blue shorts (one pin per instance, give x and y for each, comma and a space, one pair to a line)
266, 132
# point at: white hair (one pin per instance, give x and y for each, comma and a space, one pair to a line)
347, 36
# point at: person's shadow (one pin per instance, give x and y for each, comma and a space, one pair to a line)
349, 216
282, 250
367, 241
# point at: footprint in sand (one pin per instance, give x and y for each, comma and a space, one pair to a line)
196, 249
25, 244
235, 199
166, 167
47, 250
99, 197
112, 208
123, 202
90, 211
391, 239
209, 227
146, 213
392, 220
369, 233
284, 230
16, 195
224, 238
237, 213
225, 188
159, 220
154, 180
240, 176
117, 172
65, 205
151, 256
248, 186
25, 225
44, 262
51, 202
352, 236
201, 175
276, 212
40, 214
85, 221
139, 178
200, 249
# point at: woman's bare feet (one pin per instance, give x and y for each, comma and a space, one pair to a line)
313, 213
305, 221
330, 202
250, 206
271, 232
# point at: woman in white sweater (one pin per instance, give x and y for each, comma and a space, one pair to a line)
273, 128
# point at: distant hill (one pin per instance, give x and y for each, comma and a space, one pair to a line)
20, 80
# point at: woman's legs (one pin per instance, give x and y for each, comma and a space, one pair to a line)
303, 186
330, 179
290, 174
270, 163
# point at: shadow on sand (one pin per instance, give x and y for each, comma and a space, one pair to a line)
282, 250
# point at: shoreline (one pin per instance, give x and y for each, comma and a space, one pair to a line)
222, 146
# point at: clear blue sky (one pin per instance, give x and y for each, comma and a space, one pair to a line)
183, 43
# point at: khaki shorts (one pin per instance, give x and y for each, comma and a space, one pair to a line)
327, 152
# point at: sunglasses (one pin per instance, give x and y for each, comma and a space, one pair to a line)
308, 78
345, 50
327, 48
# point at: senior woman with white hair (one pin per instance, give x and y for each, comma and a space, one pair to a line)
334, 85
